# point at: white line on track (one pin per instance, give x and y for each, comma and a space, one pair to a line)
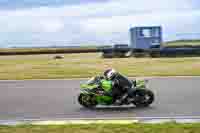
102, 120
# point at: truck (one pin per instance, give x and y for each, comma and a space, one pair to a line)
142, 39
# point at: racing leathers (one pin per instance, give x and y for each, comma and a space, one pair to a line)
122, 87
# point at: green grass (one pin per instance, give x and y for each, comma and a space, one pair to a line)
183, 43
90, 64
134, 128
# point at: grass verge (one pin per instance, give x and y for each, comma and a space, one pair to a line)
183, 43
89, 64
103, 128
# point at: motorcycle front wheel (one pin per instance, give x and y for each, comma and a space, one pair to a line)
87, 100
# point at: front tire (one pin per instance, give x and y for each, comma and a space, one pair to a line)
86, 100
143, 98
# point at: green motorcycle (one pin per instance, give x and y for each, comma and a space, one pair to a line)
97, 89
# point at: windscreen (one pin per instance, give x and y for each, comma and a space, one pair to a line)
91, 80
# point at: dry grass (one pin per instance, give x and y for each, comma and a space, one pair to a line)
134, 128
86, 65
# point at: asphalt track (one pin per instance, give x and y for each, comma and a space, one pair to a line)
52, 99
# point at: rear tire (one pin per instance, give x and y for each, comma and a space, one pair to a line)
143, 98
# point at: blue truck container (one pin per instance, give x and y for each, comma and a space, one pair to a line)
145, 37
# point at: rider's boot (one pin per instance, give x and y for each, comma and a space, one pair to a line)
121, 99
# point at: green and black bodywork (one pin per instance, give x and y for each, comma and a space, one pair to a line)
97, 91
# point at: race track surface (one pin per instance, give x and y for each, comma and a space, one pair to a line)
52, 99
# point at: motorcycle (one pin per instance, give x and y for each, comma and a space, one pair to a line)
95, 92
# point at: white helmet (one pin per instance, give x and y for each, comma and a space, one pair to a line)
110, 73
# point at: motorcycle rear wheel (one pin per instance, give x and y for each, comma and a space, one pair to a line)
143, 98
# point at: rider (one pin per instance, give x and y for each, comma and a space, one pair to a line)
121, 85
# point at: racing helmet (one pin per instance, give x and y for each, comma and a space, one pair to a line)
110, 73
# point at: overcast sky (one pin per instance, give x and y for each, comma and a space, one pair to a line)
74, 22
